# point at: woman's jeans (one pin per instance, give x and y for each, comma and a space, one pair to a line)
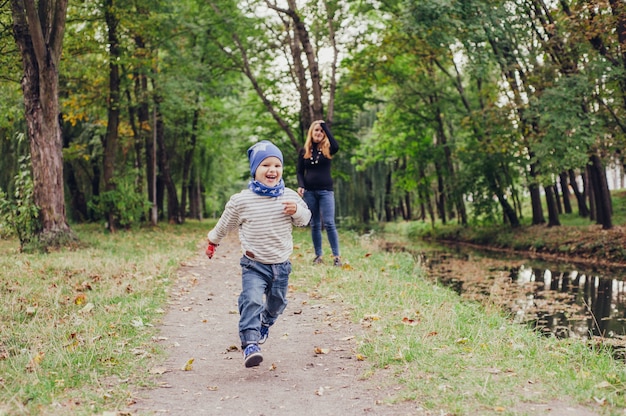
260, 280
322, 206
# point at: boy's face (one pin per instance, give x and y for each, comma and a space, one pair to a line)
269, 172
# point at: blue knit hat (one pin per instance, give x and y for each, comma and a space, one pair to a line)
261, 151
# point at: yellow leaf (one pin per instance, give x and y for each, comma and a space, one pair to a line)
360, 357
188, 365
35, 361
80, 299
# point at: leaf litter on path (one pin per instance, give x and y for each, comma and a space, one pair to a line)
310, 364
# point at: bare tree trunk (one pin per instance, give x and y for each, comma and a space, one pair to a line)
553, 212
187, 163
602, 196
535, 198
166, 176
38, 31
113, 108
583, 210
440, 200
567, 205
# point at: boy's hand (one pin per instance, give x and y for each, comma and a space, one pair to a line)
210, 250
290, 207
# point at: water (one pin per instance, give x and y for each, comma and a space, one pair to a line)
559, 299
593, 303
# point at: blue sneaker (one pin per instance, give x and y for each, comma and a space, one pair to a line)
252, 355
265, 332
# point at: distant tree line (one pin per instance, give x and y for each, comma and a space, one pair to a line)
135, 111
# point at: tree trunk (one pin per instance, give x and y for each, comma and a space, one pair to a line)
567, 205
39, 36
166, 176
553, 212
589, 193
113, 109
583, 210
188, 161
441, 195
602, 195
535, 197
557, 197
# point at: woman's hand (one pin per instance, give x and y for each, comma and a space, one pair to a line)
301, 191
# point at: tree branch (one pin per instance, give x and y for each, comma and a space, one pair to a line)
36, 34
58, 29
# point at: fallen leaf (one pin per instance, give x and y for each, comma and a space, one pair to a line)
35, 361
188, 365
319, 350
360, 357
408, 321
601, 401
80, 299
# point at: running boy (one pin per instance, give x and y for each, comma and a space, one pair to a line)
264, 214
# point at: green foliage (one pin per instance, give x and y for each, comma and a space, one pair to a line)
18, 213
124, 203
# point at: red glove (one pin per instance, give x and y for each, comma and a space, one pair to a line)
210, 250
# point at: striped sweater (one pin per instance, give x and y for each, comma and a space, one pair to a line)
264, 230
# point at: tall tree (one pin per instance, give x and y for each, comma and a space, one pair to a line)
38, 28
113, 107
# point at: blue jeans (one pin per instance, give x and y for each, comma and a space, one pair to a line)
322, 206
260, 280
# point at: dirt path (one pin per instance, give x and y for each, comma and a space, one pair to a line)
309, 362
309, 367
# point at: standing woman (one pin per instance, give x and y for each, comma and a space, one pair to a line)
315, 186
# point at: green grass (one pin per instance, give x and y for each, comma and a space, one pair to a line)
440, 348
76, 328
75, 325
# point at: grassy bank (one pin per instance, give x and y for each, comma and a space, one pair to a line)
76, 329
75, 326
452, 355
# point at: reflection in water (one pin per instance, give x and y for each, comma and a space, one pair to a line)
556, 298
595, 305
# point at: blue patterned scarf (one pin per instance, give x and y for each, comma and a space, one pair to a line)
264, 190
